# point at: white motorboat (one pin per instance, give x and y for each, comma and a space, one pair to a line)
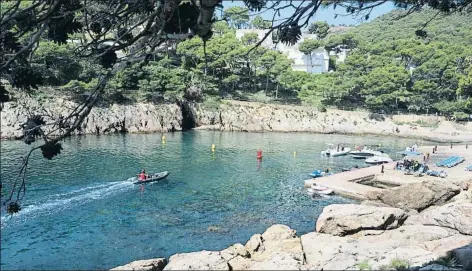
334, 153
365, 153
379, 159
319, 189
413, 148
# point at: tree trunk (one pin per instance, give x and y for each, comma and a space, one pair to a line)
267, 83
205, 16
277, 90
311, 62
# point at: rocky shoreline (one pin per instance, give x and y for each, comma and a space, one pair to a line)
434, 233
233, 116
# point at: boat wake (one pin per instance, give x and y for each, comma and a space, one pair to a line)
59, 202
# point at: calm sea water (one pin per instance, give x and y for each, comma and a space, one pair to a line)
80, 213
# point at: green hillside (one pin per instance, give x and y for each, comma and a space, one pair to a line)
391, 67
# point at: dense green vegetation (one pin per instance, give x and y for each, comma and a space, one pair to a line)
228, 70
390, 67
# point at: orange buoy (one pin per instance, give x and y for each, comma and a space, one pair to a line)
259, 154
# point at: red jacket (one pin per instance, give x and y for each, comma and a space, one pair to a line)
142, 176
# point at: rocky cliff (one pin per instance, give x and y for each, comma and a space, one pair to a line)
231, 116
256, 117
351, 237
135, 118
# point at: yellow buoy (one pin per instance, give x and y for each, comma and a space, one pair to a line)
213, 147
294, 153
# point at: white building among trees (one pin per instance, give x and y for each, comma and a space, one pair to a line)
318, 62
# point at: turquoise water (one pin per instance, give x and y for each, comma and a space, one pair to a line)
80, 213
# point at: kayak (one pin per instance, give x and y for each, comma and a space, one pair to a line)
152, 178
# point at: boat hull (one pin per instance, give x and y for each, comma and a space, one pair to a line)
363, 154
321, 191
333, 153
378, 161
155, 177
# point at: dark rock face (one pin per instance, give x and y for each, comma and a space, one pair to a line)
188, 116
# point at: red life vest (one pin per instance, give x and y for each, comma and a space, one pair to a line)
142, 176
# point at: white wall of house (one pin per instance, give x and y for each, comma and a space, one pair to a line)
341, 53
319, 62
268, 43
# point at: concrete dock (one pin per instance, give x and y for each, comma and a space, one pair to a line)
349, 183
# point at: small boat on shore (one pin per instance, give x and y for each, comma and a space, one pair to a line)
319, 189
151, 177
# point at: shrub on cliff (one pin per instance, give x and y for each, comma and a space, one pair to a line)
377, 117
460, 116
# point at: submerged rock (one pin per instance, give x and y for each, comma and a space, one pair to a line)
345, 219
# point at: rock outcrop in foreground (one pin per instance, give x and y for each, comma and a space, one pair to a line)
345, 219
151, 265
231, 116
356, 237
419, 196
